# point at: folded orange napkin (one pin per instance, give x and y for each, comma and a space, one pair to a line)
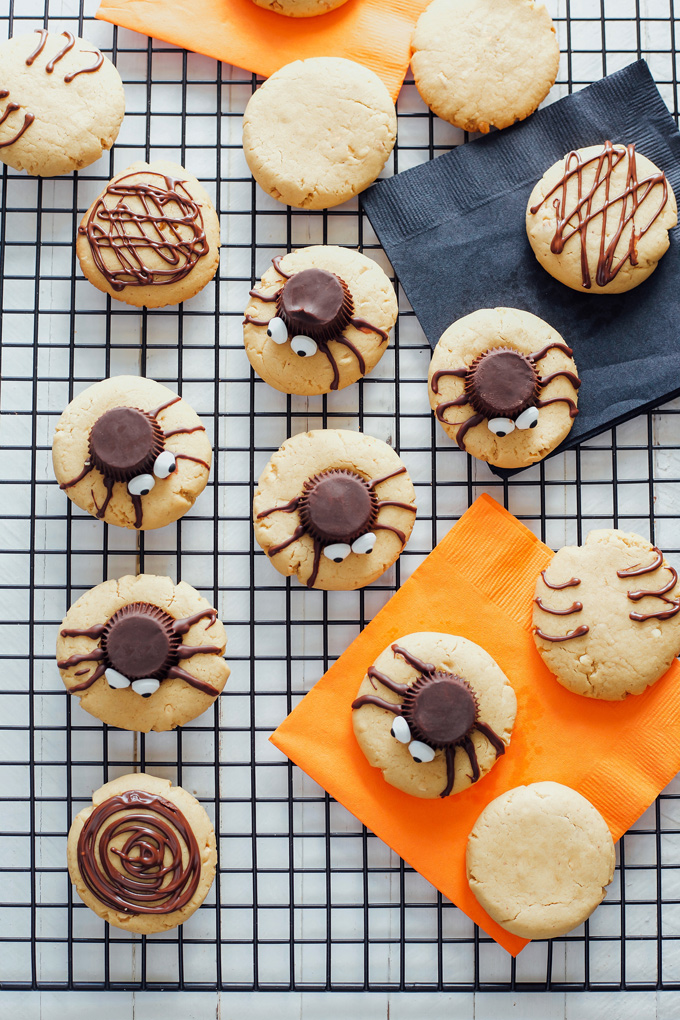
479, 583
376, 33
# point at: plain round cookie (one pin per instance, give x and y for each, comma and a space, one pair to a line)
318, 131
59, 120
300, 8
148, 200
320, 494
181, 433
559, 244
451, 656
484, 63
374, 303
177, 699
181, 825
603, 652
539, 858
465, 341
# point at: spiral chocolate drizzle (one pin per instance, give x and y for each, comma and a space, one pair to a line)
654, 593
170, 224
125, 442
147, 873
141, 640
317, 303
441, 710
574, 219
336, 505
501, 383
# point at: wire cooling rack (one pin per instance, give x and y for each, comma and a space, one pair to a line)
305, 897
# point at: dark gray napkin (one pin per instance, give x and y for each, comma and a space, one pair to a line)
454, 231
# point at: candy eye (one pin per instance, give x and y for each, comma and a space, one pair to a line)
116, 679
400, 730
145, 687
277, 330
364, 544
527, 419
337, 552
501, 426
165, 464
303, 346
420, 752
141, 485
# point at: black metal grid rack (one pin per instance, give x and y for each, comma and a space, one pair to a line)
305, 897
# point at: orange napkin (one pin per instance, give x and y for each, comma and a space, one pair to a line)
479, 583
376, 33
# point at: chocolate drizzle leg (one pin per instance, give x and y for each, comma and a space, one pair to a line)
441, 710
152, 876
141, 640
653, 593
336, 505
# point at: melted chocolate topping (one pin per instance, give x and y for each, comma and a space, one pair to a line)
337, 506
315, 303
654, 593
575, 607
573, 583
98, 61
501, 383
9, 109
125, 442
135, 863
596, 202
70, 43
579, 632
141, 640
140, 218
441, 710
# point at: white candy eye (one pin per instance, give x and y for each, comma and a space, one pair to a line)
364, 544
277, 330
165, 464
337, 552
141, 485
527, 419
116, 679
145, 687
420, 752
303, 346
400, 730
501, 426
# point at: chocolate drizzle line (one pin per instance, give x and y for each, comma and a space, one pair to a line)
42, 32
70, 43
176, 650
153, 878
12, 108
654, 593
334, 504
440, 708
573, 583
99, 60
579, 632
111, 478
588, 205
482, 403
126, 235
575, 607
321, 328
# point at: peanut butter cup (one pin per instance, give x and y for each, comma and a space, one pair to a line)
337, 505
440, 708
124, 442
315, 303
501, 383
140, 640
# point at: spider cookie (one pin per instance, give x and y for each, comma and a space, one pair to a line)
606, 617
318, 131
539, 858
300, 8
484, 63
61, 103
143, 653
335, 508
131, 452
503, 384
618, 243
143, 856
434, 712
331, 308
152, 238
